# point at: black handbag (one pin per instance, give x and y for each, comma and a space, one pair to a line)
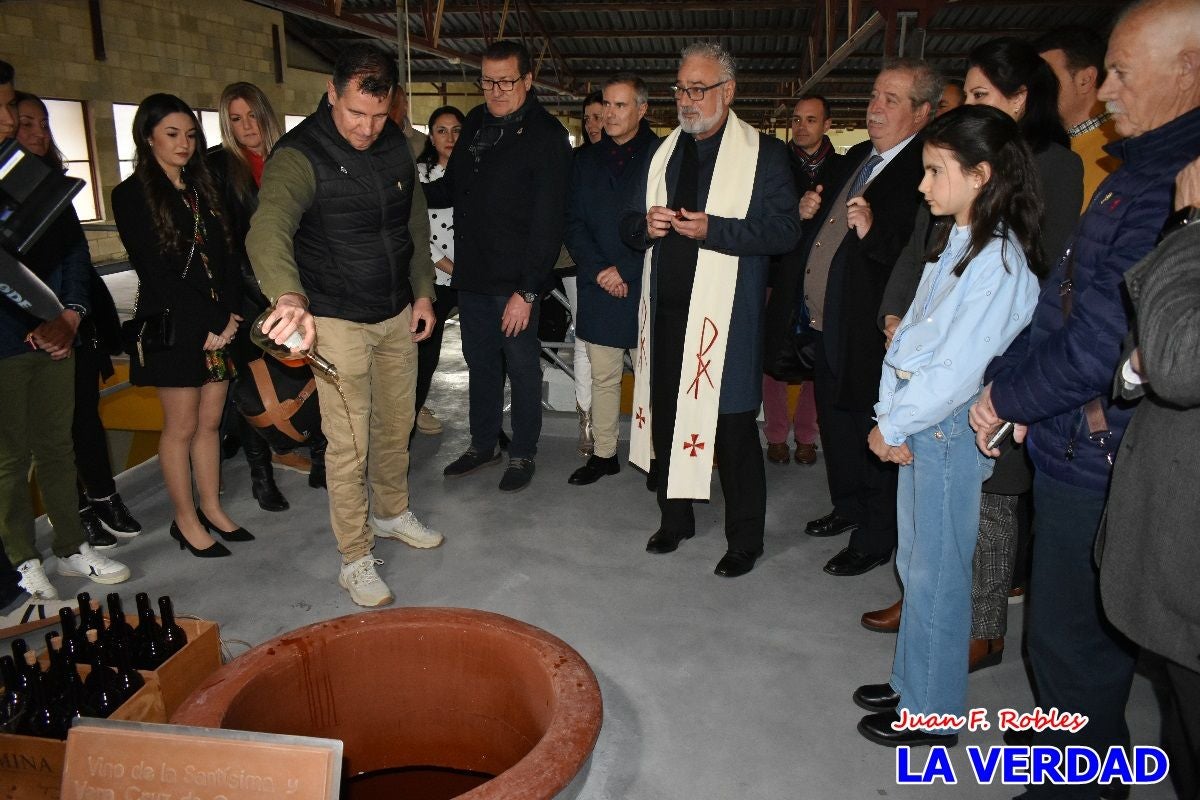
152, 333
280, 401
796, 358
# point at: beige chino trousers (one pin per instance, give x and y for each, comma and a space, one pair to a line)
377, 363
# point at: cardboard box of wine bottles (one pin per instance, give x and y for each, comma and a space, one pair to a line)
31, 768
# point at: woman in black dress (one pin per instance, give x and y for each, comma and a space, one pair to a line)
168, 215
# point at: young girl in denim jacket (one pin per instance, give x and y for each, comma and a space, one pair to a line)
977, 293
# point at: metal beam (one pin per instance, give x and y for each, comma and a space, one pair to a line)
315, 10
645, 33
848, 48
556, 7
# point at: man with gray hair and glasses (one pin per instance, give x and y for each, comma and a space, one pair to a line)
862, 218
713, 202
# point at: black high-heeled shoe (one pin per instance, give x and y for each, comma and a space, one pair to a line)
240, 535
215, 550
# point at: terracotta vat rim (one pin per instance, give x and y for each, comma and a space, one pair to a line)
550, 765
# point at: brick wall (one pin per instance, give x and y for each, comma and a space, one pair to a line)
192, 49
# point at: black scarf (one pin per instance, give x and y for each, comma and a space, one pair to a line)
811, 163
493, 129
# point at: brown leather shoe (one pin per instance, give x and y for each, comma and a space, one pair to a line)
778, 453
984, 653
885, 620
806, 453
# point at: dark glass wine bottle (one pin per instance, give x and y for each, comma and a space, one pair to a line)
70, 633
102, 692
96, 619
149, 649
119, 628
19, 649
64, 676
12, 705
128, 679
174, 637
42, 717
27, 665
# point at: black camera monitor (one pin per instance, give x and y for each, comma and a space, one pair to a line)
32, 195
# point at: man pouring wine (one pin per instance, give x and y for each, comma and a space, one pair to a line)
339, 245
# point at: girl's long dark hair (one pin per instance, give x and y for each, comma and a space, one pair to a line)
1011, 64
161, 196
429, 156
1011, 200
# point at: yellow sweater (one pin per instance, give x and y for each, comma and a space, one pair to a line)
1097, 164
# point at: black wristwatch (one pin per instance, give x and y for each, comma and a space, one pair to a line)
528, 297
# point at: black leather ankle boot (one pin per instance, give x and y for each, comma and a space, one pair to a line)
262, 477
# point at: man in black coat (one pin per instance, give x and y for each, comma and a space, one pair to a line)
874, 196
507, 181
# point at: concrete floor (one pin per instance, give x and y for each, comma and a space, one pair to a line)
713, 688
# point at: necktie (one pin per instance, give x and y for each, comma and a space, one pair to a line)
860, 182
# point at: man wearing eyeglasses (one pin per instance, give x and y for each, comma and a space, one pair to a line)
507, 179
714, 201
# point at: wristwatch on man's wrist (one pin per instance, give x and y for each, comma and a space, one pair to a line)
528, 297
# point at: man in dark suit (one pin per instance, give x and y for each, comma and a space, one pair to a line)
875, 197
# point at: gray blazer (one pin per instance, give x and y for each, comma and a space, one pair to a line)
1149, 545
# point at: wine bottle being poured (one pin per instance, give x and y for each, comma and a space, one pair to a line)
290, 351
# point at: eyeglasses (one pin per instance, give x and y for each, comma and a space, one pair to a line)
504, 84
694, 93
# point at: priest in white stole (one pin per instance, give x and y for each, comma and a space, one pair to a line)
716, 200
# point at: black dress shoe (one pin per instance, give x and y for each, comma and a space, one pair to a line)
878, 728
876, 697
851, 562
237, 535
830, 525
470, 461
736, 563
595, 469
666, 541
518, 475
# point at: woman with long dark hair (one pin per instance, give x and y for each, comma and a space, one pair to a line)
249, 130
102, 512
1008, 74
168, 215
445, 124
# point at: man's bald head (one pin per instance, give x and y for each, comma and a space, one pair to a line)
1153, 63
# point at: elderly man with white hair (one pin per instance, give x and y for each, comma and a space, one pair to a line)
714, 201
1055, 381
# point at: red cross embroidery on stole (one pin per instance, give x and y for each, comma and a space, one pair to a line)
709, 328
641, 417
694, 445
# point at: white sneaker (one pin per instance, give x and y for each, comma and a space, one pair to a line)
427, 423
87, 563
34, 580
408, 529
364, 584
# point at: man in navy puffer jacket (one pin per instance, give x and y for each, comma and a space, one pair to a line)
1066, 361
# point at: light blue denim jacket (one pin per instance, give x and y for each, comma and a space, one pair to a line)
953, 328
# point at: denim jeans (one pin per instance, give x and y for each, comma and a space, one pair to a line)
937, 510
489, 353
